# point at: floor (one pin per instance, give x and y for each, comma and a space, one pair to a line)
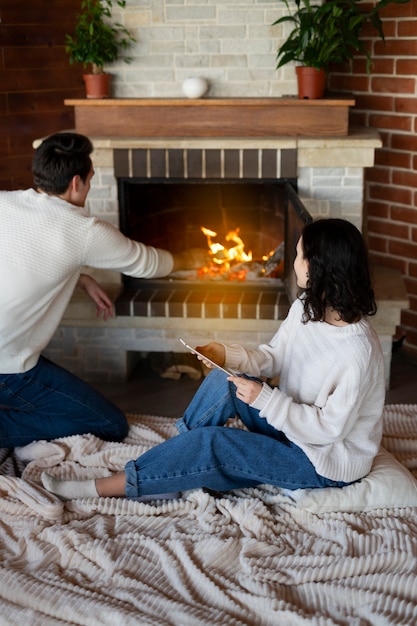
147, 393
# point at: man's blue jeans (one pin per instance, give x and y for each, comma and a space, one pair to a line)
208, 454
48, 402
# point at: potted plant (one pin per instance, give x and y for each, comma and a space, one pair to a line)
326, 33
97, 41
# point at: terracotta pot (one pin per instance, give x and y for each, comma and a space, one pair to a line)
97, 85
311, 82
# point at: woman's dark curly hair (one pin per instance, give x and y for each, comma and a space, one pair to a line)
339, 275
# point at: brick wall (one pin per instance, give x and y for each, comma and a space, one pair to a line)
35, 77
387, 101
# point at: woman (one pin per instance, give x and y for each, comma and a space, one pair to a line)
321, 428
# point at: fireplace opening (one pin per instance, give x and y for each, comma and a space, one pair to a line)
171, 214
268, 217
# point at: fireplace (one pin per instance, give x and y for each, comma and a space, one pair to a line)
170, 214
326, 172
179, 194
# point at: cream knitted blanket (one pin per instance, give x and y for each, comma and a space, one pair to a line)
248, 557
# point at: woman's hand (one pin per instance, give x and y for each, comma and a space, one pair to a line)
246, 390
104, 305
214, 351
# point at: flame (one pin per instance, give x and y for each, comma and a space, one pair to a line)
226, 257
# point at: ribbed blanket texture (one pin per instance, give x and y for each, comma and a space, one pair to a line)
249, 557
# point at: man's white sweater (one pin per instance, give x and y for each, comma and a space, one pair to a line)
331, 391
44, 243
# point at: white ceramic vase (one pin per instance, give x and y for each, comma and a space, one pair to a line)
195, 87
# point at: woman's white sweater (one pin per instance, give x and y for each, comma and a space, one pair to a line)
44, 243
331, 390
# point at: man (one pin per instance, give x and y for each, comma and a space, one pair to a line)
46, 237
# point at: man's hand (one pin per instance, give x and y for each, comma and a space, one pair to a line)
191, 259
103, 303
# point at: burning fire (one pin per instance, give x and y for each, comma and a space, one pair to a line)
226, 259
229, 261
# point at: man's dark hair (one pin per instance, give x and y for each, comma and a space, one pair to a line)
339, 275
58, 159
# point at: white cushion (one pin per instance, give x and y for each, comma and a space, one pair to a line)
389, 484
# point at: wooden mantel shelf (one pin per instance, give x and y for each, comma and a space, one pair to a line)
209, 117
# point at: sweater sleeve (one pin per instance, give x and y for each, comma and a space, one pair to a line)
266, 359
108, 248
312, 424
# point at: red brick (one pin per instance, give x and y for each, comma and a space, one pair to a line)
405, 66
378, 244
403, 214
379, 175
411, 289
407, 28
388, 228
397, 122
414, 234
394, 195
404, 178
396, 48
404, 142
358, 66
391, 84
403, 249
410, 340
380, 66
411, 312
390, 25
371, 102
412, 269
387, 261
407, 9
351, 82
406, 105
391, 159
377, 209
409, 318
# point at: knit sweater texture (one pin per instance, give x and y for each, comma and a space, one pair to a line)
331, 390
44, 244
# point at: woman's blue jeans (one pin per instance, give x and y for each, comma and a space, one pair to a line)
208, 454
48, 402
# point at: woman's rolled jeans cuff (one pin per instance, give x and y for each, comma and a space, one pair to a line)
181, 425
132, 488
131, 480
